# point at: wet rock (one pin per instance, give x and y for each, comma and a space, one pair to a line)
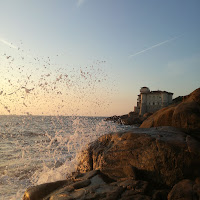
115, 194
128, 196
131, 118
197, 180
120, 172
88, 175
162, 155
81, 184
94, 187
136, 187
196, 188
160, 194
97, 180
114, 118
58, 164
185, 190
140, 164
64, 195
130, 171
40, 191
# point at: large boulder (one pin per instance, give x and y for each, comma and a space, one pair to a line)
139, 164
185, 190
185, 115
161, 155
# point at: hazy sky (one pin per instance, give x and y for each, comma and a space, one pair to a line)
90, 57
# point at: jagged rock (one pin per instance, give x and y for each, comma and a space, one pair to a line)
131, 118
90, 185
160, 194
161, 155
185, 115
81, 184
127, 196
146, 115
40, 191
88, 175
114, 118
185, 190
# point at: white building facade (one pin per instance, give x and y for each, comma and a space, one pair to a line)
151, 101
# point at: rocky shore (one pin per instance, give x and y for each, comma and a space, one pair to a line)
131, 118
159, 161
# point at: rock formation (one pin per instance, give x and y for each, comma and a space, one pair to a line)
155, 162
92, 185
161, 155
185, 190
138, 164
185, 115
131, 118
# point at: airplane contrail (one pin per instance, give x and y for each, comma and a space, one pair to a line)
8, 43
156, 45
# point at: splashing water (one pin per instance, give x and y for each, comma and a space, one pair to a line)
32, 84
40, 149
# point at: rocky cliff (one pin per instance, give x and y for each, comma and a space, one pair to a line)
185, 115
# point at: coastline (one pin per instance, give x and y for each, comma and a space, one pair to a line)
154, 161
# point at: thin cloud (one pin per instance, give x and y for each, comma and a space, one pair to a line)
8, 43
80, 2
154, 46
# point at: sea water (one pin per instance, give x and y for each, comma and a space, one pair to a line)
41, 149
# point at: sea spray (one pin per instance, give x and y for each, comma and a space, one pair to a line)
65, 153
36, 148
40, 149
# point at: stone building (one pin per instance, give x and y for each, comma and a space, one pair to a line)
151, 101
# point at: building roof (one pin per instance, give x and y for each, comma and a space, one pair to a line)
147, 91
159, 92
144, 90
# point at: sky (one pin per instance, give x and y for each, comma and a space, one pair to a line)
91, 57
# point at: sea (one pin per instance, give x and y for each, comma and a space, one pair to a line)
41, 149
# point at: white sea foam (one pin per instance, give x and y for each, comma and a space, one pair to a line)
44, 155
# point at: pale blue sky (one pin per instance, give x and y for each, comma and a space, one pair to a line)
152, 43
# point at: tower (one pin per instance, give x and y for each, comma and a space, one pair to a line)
143, 107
